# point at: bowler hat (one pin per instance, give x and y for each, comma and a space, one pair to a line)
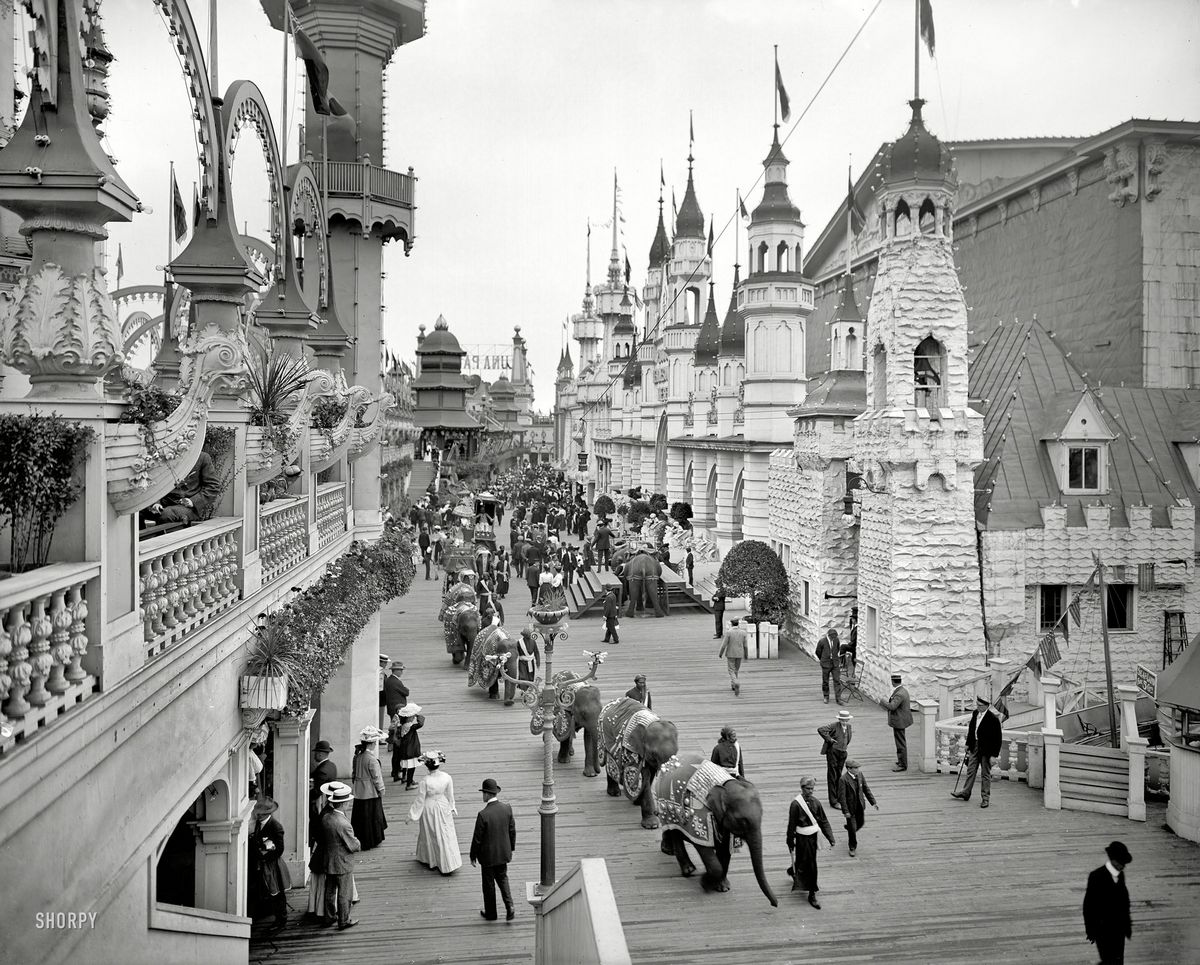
1118, 852
490, 787
267, 806
323, 745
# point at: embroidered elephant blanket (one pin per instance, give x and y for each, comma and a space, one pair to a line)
480, 670
620, 719
681, 797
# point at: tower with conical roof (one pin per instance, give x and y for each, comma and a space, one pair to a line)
775, 302
704, 368
918, 442
586, 326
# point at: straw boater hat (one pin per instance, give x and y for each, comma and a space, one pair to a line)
409, 710
436, 758
845, 716
337, 792
372, 735
383, 659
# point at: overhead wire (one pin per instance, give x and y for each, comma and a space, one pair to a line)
725, 227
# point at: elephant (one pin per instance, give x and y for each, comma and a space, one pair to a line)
583, 714
461, 624
522, 658
462, 588
634, 743
643, 572
700, 802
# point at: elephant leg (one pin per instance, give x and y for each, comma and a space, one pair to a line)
564, 749
510, 690
646, 800
632, 602
494, 690
613, 789
722, 849
713, 878
656, 598
675, 844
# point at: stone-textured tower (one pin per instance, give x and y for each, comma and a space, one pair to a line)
775, 302
368, 206
918, 442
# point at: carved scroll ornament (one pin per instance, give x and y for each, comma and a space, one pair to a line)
366, 437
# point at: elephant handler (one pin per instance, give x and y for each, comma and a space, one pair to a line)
805, 818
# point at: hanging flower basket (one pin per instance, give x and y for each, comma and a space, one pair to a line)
264, 693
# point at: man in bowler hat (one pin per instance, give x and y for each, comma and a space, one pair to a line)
492, 847
1106, 916
900, 718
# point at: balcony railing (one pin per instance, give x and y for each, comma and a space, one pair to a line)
283, 536
950, 737
331, 512
44, 636
357, 179
187, 578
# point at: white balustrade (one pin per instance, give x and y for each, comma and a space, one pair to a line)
950, 743
44, 636
331, 512
282, 536
187, 577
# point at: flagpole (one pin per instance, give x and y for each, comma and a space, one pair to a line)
849, 217
212, 47
775, 98
171, 215
283, 110
916, 49
1113, 736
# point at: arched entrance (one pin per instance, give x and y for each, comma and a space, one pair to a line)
710, 491
686, 495
737, 507
660, 456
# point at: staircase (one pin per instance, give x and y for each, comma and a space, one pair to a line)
419, 478
681, 593
584, 593
1094, 779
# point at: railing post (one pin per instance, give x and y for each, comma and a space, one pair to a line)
945, 700
1001, 668
1127, 695
1051, 745
927, 753
291, 790
1135, 746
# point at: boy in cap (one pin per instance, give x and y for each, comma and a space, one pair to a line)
1106, 917
983, 747
805, 818
855, 793
899, 718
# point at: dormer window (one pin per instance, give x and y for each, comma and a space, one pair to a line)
1079, 448
1083, 468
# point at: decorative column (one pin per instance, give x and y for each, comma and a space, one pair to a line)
702, 509
1001, 668
726, 479
676, 457
1135, 745
291, 790
927, 750
351, 699
1052, 743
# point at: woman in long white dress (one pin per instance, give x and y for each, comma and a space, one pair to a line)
437, 842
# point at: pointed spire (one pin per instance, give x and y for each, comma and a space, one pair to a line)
689, 222
733, 329
708, 339
614, 261
587, 289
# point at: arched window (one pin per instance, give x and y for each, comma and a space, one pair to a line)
929, 374
781, 257
797, 263
927, 217
783, 348
676, 378
852, 360
902, 219
760, 347
762, 256
741, 373
693, 305
725, 374
879, 399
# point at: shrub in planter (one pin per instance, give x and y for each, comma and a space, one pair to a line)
753, 568
326, 414
639, 511
148, 404
658, 502
604, 505
682, 514
39, 461
275, 384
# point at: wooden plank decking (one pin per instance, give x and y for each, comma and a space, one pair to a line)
935, 880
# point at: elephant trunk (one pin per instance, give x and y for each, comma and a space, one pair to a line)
754, 843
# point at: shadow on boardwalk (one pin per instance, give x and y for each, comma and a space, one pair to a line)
934, 880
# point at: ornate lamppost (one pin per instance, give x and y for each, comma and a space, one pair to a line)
548, 704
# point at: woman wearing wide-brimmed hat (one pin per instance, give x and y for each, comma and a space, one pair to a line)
367, 817
406, 743
437, 842
269, 878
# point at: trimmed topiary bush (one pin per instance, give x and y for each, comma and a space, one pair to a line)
639, 511
658, 502
753, 568
604, 505
682, 514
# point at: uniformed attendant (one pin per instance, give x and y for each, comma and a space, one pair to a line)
805, 818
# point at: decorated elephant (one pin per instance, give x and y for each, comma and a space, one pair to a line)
461, 625
634, 743
583, 714
519, 655
643, 572
459, 587
700, 802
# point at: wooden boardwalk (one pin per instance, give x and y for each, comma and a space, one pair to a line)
935, 880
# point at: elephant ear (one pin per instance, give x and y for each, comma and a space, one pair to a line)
637, 741
716, 804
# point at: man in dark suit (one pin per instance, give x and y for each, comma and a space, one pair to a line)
719, 613
835, 750
983, 746
334, 854
426, 547
1106, 906
640, 692
827, 656
569, 564
689, 562
492, 847
899, 719
395, 693
611, 613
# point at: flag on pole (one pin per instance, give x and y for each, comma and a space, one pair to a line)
674, 209
1049, 650
785, 110
1146, 582
120, 265
628, 269
662, 180
1073, 610
926, 26
195, 206
317, 70
178, 211
691, 132
742, 207
710, 235
858, 220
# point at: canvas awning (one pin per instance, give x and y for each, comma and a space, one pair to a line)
1179, 684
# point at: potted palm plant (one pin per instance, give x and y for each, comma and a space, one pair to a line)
276, 386
272, 658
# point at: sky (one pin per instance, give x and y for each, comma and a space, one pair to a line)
514, 115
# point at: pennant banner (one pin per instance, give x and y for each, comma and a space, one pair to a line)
178, 212
785, 110
926, 25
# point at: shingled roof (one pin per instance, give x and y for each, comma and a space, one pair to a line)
1023, 383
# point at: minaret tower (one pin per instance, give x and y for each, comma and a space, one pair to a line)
522, 386
918, 442
586, 326
776, 302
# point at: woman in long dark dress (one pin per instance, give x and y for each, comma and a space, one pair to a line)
406, 743
367, 818
269, 877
